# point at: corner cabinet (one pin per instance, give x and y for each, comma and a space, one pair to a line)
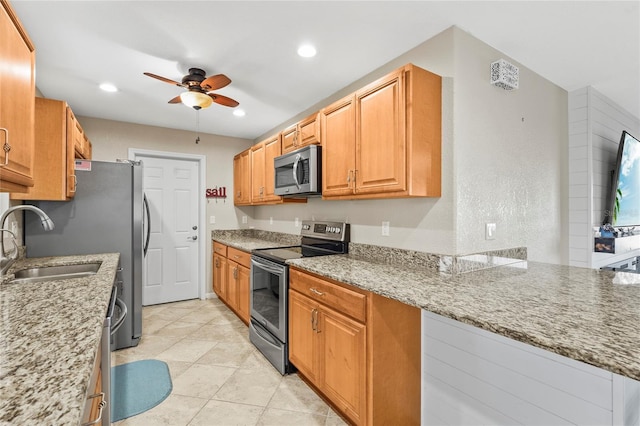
361, 351
384, 140
58, 136
242, 179
17, 103
262, 171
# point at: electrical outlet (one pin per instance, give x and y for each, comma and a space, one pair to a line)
212, 219
244, 219
296, 222
490, 231
270, 220
385, 229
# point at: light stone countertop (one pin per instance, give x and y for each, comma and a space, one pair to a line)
49, 337
588, 315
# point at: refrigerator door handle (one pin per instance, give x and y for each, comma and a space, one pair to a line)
148, 214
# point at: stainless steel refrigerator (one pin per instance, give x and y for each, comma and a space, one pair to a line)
108, 214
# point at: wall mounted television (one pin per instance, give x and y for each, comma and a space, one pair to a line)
623, 207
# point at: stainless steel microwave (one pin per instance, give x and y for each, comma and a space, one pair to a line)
299, 172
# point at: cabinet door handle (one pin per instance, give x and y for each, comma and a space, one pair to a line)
217, 262
314, 291
102, 404
316, 320
75, 183
6, 147
235, 273
313, 322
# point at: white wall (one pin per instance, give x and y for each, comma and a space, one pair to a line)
510, 151
595, 125
495, 167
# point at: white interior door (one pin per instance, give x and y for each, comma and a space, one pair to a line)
172, 262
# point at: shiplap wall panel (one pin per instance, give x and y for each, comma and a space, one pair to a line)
487, 376
595, 125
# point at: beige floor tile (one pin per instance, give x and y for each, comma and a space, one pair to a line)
173, 314
257, 361
294, 395
152, 324
219, 333
227, 354
209, 353
227, 413
275, 417
176, 368
149, 347
176, 410
201, 381
186, 350
335, 420
250, 387
178, 328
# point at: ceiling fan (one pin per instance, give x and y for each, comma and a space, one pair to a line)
199, 94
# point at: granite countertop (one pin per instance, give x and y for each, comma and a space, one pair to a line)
252, 239
588, 315
49, 337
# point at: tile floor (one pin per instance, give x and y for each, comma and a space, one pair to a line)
219, 378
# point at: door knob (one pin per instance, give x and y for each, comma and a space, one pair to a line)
194, 227
195, 237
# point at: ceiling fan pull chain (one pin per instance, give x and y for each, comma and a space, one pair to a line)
197, 126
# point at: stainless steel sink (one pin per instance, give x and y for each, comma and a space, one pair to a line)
60, 272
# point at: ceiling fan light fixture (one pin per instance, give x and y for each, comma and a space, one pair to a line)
196, 100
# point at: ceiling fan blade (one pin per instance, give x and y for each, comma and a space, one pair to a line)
176, 100
223, 100
166, 80
215, 82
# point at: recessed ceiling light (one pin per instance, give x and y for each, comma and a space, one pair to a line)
307, 51
239, 112
108, 87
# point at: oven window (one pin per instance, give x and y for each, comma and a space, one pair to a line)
266, 295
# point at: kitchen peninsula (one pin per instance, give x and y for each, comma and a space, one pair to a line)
581, 314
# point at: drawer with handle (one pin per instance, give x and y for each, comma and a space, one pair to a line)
239, 256
220, 248
341, 299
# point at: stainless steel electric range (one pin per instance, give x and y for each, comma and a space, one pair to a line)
268, 328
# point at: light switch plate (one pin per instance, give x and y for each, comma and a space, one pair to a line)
490, 231
244, 219
385, 229
212, 219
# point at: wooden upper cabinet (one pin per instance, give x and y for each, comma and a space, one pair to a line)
53, 167
17, 103
338, 147
242, 179
392, 145
305, 132
272, 149
257, 173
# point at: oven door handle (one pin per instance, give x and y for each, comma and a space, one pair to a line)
268, 268
266, 336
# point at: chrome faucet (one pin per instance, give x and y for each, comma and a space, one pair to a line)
6, 262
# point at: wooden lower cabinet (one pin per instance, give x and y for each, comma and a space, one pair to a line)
231, 279
361, 351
